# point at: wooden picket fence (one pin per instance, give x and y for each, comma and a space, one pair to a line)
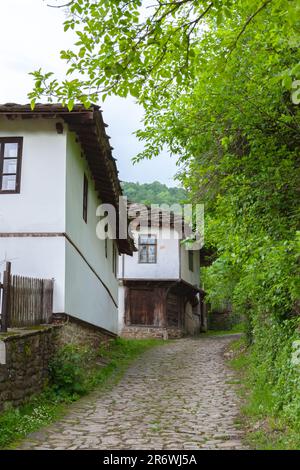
25, 301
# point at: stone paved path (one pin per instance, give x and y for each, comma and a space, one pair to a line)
176, 396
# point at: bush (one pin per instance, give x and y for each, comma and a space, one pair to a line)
273, 370
69, 370
270, 369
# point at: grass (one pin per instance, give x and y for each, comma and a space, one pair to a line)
238, 328
47, 407
264, 430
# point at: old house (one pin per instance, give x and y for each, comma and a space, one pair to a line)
159, 294
56, 167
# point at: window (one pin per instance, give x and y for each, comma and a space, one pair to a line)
10, 164
191, 260
106, 240
147, 249
85, 198
115, 260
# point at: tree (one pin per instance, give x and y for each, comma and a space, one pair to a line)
215, 79
237, 137
150, 49
153, 193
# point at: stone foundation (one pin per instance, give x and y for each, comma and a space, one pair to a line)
24, 359
147, 332
77, 332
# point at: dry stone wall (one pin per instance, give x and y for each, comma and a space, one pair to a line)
25, 355
151, 332
24, 360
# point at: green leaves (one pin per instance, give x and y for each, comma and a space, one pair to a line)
236, 133
153, 193
165, 43
215, 80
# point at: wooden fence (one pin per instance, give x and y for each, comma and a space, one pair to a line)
25, 301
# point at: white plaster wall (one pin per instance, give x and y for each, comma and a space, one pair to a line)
121, 306
51, 201
40, 205
167, 266
37, 257
85, 296
192, 277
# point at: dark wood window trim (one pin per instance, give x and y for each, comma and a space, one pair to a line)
106, 241
115, 260
191, 260
85, 198
11, 140
147, 245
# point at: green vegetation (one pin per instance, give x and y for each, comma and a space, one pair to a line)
237, 328
153, 193
219, 82
75, 371
270, 388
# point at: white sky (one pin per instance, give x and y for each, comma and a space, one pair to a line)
31, 36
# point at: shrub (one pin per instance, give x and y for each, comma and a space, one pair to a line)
69, 370
272, 369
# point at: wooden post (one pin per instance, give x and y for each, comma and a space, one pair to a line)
5, 298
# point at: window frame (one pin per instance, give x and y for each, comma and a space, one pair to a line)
85, 198
114, 260
106, 241
11, 140
191, 260
147, 246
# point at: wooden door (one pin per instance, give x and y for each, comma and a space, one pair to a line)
173, 310
141, 307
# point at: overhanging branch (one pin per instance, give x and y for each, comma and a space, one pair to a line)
65, 5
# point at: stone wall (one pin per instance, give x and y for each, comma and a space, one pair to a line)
192, 320
219, 321
24, 359
77, 332
25, 355
151, 332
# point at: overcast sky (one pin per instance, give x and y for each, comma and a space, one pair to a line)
31, 36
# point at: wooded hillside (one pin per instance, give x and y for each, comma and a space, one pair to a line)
153, 193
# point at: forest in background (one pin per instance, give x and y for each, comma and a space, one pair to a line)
220, 85
153, 193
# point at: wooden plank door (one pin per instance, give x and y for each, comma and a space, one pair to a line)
141, 307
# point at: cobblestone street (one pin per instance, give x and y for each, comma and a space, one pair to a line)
176, 396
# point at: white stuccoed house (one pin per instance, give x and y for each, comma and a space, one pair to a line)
56, 167
159, 294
